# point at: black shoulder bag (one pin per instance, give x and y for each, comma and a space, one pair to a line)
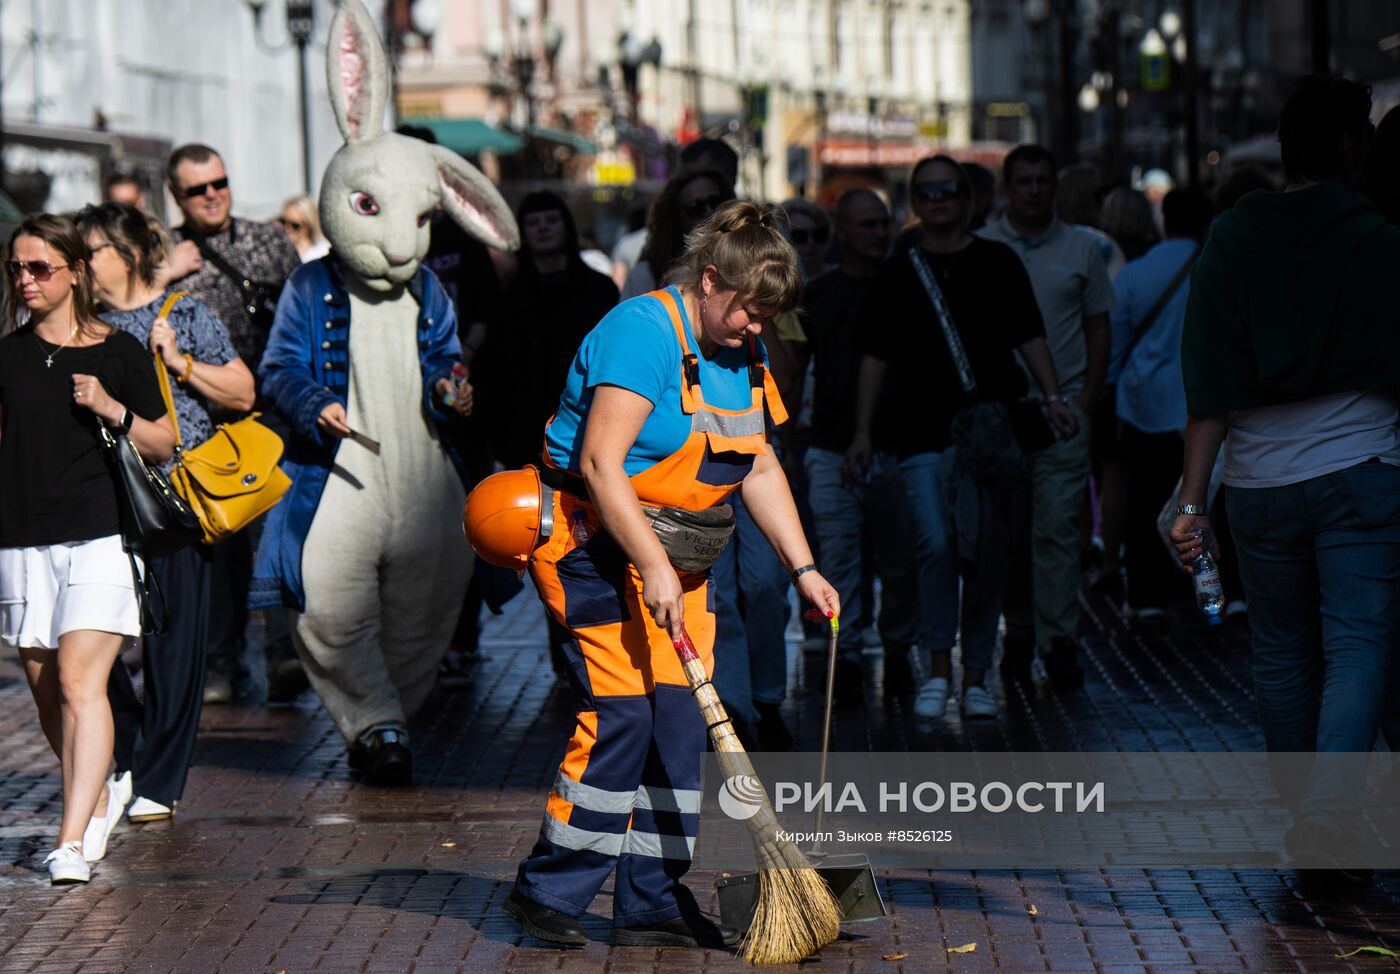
154, 519
1028, 423
259, 297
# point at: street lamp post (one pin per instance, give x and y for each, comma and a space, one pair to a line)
1180, 32
1188, 91
301, 23
1037, 14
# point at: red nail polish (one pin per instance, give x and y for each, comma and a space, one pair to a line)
829, 613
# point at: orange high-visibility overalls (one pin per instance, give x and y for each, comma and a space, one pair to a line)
627, 795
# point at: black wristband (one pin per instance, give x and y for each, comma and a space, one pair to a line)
128, 417
799, 572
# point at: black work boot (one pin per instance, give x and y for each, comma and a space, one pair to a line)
543, 923
686, 930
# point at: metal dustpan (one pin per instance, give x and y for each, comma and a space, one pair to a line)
849, 876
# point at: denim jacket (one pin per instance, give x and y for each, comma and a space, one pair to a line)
305, 368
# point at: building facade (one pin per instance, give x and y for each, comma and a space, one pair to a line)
95, 86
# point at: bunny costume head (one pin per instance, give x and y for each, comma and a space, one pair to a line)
381, 188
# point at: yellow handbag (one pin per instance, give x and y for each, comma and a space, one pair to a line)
232, 478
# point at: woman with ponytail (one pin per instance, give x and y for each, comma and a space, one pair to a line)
155, 736
664, 416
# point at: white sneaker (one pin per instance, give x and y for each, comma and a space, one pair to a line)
978, 702
932, 700
99, 830
145, 810
66, 864
122, 784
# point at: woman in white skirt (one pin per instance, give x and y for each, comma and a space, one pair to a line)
67, 600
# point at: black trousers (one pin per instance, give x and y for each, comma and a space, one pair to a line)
155, 735
232, 562
1152, 462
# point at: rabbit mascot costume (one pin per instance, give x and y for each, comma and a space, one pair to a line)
364, 550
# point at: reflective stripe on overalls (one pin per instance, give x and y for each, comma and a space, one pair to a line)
627, 795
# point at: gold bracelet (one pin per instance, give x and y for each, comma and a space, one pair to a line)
189, 367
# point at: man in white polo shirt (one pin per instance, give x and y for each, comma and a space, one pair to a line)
1072, 288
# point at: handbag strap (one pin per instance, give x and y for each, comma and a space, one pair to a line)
945, 318
163, 374
193, 456
221, 263
1163, 299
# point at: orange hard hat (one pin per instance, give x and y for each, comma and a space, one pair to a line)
508, 516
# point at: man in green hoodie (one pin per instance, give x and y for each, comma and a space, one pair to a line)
1292, 347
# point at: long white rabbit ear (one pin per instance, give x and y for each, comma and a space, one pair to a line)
356, 72
473, 202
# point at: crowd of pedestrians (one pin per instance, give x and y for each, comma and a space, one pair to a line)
996, 403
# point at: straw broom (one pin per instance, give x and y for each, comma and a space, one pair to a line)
796, 914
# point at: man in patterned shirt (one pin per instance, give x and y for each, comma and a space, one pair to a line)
259, 252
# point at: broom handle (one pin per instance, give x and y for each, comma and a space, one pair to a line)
826, 722
711, 710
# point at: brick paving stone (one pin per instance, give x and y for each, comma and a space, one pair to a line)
277, 860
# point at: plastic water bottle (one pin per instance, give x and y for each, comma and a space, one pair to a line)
1205, 577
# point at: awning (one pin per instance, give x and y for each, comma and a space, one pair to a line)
564, 137
469, 136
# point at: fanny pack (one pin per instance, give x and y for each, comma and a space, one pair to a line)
693, 540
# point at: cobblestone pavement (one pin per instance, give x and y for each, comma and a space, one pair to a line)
277, 862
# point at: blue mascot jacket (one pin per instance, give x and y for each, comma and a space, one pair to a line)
305, 368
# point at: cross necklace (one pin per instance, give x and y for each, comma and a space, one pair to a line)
49, 356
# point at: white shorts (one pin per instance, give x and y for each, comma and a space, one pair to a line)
48, 591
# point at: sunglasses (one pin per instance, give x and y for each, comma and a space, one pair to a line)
703, 206
801, 235
199, 189
289, 224
938, 189
39, 270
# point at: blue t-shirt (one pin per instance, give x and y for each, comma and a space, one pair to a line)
635, 347
1151, 391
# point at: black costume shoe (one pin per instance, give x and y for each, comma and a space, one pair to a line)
542, 923
687, 930
384, 757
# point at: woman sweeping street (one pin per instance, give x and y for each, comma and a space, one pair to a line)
667, 406
67, 599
